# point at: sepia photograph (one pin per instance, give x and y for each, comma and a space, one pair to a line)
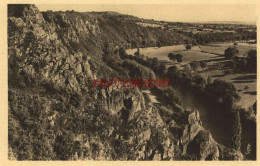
132, 82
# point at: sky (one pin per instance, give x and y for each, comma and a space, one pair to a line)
170, 12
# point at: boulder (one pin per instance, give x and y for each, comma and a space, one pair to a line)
204, 146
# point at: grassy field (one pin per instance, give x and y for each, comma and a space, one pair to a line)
219, 49
160, 53
212, 54
245, 82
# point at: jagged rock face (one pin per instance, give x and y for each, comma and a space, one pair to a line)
193, 140
205, 145
73, 28
152, 135
192, 128
150, 139
41, 53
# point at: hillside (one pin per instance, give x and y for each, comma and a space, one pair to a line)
54, 114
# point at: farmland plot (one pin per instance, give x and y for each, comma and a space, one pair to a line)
219, 49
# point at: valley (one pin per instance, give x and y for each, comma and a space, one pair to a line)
54, 113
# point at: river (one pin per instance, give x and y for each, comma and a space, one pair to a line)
213, 120
220, 125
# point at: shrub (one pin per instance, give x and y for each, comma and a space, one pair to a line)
188, 47
246, 87
168, 95
172, 71
171, 56
222, 92
230, 52
179, 58
136, 70
162, 68
203, 64
194, 65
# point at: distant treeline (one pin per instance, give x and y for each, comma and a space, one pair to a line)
204, 38
117, 29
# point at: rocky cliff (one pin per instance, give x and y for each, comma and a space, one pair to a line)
54, 114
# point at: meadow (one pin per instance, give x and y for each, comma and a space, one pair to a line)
219, 49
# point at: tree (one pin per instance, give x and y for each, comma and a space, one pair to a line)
106, 47
209, 80
246, 87
158, 44
251, 59
179, 58
187, 68
198, 81
122, 51
203, 64
136, 70
137, 53
171, 96
155, 64
171, 56
116, 50
222, 92
172, 71
162, 68
230, 52
194, 65
188, 47
63, 146
237, 130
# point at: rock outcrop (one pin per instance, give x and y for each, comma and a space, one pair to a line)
41, 53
